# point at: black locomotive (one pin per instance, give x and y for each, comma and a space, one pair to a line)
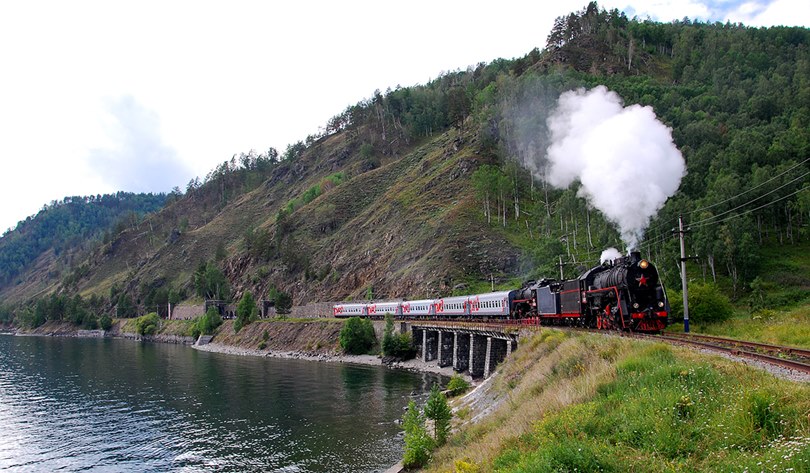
625, 294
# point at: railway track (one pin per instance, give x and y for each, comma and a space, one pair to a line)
788, 357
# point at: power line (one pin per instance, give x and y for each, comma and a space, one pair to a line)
751, 189
713, 217
660, 227
751, 210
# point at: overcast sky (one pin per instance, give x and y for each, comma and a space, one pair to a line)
142, 96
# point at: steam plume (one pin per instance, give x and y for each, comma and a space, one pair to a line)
610, 254
623, 156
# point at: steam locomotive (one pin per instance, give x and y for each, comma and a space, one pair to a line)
624, 294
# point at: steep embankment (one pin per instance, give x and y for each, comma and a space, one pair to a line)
582, 402
306, 336
311, 336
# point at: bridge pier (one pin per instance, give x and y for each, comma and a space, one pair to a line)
446, 351
473, 349
430, 345
461, 352
418, 340
478, 354
496, 353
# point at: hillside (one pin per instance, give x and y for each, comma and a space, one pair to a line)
60, 229
426, 190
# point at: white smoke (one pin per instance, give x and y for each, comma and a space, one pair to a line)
623, 156
610, 254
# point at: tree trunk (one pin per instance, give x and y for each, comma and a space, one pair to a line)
588, 220
487, 210
732, 271
575, 231
790, 224
711, 265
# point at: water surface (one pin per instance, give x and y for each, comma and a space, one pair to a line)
71, 404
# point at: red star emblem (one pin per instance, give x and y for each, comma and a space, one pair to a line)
642, 281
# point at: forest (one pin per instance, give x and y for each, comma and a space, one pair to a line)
70, 224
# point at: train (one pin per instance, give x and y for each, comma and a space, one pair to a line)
623, 294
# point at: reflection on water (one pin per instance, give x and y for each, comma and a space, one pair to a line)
115, 405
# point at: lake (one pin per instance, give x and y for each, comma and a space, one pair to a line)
73, 404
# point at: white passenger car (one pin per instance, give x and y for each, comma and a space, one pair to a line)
491, 304
381, 308
350, 310
419, 309
452, 307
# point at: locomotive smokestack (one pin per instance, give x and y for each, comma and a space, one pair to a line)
635, 257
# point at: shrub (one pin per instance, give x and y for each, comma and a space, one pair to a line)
437, 410
418, 443
246, 312
147, 324
262, 345
706, 304
207, 323
396, 345
357, 336
457, 385
105, 322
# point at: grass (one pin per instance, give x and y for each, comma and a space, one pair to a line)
180, 328
596, 403
783, 313
788, 327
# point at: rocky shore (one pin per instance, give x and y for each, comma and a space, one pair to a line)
371, 360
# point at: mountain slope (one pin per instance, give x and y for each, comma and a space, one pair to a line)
391, 200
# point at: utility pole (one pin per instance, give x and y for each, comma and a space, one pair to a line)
561, 264
681, 234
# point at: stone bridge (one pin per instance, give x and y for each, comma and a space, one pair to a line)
476, 348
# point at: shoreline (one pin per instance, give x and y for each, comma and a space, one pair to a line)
413, 365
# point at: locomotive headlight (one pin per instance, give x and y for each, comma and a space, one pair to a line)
660, 303
635, 305
643, 264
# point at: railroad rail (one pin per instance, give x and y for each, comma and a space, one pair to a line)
788, 357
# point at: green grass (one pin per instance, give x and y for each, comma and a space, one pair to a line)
788, 327
587, 403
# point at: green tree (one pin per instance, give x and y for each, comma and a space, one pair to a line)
439, 412
418, 444
246, 311
125, 308
281, 300
211, 283
357, 336
6, 315
207, 323
147, 324
105, 322
396, 345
